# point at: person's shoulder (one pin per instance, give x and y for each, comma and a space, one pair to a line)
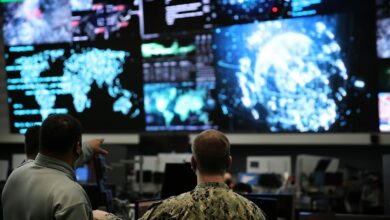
21, 170
240, 197
175, 201
65, 189
26, 162
71, 187
172, 206
250, 207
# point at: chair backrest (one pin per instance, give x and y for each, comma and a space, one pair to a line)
268, 205
285, 203
178, 178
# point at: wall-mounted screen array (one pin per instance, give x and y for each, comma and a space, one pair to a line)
186, 65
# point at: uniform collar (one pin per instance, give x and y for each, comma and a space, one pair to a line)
53, 163
212, 185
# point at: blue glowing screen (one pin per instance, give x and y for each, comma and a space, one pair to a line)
248, 178
383, 38
37, 22
87, 82
82, 174
304, 74
286, 75
178, 106
384, 112
81, 5
33, 22
383, 28
244, 11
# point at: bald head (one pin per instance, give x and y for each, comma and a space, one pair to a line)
211, 150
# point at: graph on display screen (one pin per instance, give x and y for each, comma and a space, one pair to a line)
175, 15
179, 80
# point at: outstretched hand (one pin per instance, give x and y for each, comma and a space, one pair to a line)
98, 214
96, 145
102, 215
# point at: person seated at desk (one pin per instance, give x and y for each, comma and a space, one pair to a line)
211, 198
46, 187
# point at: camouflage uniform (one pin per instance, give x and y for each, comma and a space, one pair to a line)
206, 201
110, 216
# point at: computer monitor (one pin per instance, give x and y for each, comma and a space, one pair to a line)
327, 179
248, 178
270, 180
308, 164
178, 178
384, 111
316, 216
82, 174
333, 216
361, 217
285, 207
267, 205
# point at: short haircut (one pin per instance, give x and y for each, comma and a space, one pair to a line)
59, 133
31, 141
211, 150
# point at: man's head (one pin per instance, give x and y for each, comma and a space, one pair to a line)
211, 153
60, 135
31, 142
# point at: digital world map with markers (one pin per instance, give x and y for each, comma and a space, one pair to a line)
80, 75
178, 105
178, 80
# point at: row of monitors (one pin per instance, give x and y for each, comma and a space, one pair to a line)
29, 22
32, 22
306, 74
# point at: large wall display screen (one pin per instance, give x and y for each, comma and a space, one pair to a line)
187, 65
99, 86
299, 75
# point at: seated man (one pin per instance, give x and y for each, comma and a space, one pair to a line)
46, 188
212, 198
